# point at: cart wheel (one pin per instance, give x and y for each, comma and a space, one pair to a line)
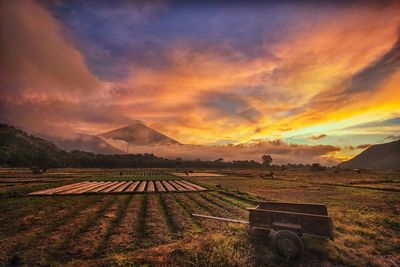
288, 244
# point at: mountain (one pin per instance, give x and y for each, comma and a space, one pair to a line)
138, 134
20, 149
85, 142
382, 156
17, 148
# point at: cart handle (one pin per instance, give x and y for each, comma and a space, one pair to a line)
220, 219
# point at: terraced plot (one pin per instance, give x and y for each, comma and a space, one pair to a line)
115, 187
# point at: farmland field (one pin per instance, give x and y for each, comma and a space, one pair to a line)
158, 228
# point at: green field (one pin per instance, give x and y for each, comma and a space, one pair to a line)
157, 229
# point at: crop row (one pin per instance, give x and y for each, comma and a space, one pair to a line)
94, 226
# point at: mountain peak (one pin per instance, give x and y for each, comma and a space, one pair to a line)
381, 156
138, 133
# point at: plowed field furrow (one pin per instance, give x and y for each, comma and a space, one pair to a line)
46, 242
68, 247
142, 186
181, 223
168, 186
177, 186
77, 189
203, 204
150, 186
228, 207
132, 187
239, 198
123, 188
25, 229
141, 227
231, 201
87, 189
198, 187
213, 205
188, 187
125, 235
167, 215
160, 187
85, 244
114, 223
111, 188
213, 209
194, 207
156, 230
99, 188
186, 213
58, 189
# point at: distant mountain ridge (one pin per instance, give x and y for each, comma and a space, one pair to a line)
382, 156
17, 148
20, 149
138, 134
115, 141
85, 142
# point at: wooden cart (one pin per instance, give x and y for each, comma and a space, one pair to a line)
289, 221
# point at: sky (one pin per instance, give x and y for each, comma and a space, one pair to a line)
303, 81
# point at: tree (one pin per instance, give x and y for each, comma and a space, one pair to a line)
178, 162
266, 160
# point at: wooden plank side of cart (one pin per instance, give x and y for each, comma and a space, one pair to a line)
308, 208
302, 223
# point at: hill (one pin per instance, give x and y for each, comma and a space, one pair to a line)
85, 142
17, 148
138, 134
382, 156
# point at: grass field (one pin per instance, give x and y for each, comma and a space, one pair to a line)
158, 229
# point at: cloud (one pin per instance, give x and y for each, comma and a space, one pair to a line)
37, 62
317, 137
45, 83
383, 123
393, 137
363, 146
371, 77
232, 105
88, 67
280, 151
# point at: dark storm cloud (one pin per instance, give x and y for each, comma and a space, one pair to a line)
368, 80
385, 123
371, 77
229, 104
117, 37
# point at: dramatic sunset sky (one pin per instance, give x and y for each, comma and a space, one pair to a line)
301, 80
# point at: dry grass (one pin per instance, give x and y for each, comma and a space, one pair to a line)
159, 230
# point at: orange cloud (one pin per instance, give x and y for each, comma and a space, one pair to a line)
314, 77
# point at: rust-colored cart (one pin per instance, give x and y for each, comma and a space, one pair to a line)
289, 221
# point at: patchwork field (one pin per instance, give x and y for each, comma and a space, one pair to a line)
121, 187
158, 228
